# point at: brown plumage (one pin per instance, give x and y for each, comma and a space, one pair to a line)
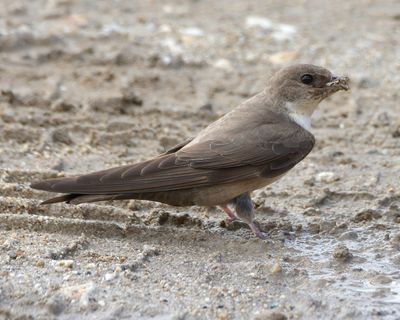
248, 148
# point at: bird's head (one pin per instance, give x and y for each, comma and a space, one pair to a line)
302, 87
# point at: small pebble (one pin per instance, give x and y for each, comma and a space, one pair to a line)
259, 22
40, 263
192, 31
342, 253
66, 264
326, 177
270, 315
61, 136
223, 64
314, 228
311, 211
109, 276
365, 215
19, 253
349, 235
62, 106
276, 268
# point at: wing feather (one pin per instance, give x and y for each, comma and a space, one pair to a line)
265, 150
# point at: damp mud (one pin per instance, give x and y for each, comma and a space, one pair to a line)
87, 85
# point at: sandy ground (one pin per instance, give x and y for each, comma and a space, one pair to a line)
86, 85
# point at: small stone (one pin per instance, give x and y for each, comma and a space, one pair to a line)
12, 255
157, 216
270, 315
62, 106
223, 64
84, 293
9, 96
365, 215
208, 107
258, 22
314, 228
284, 32
311, 211
109, 276
387, 237
299, 228
40, 263
342, 253
192, 31
66, 264
349, 235
59, 269
61, 136
396, 132
117, 270
19, 253
130, 97
102, 303
328, 226
276, 268
326, 177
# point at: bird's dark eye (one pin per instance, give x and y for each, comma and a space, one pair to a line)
307, 78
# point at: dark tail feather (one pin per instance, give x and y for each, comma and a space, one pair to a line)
85, 198
66, 198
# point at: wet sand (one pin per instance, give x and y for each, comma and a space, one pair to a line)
87, 85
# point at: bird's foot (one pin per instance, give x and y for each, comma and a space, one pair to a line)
245, 212
257, 231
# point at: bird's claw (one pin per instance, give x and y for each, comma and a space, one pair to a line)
257, 231
261, 235
253, 224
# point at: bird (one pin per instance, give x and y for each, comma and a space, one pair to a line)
248, 148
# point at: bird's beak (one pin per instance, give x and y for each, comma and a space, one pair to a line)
341, 83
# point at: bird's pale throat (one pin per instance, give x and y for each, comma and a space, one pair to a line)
301, 112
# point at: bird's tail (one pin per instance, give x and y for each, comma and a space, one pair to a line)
83, 198
65, 198
74, 198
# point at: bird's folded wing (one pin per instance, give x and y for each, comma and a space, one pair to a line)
266, 150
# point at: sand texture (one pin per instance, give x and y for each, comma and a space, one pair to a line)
87, 85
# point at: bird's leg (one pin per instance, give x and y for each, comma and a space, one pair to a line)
245, 212
229, 212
